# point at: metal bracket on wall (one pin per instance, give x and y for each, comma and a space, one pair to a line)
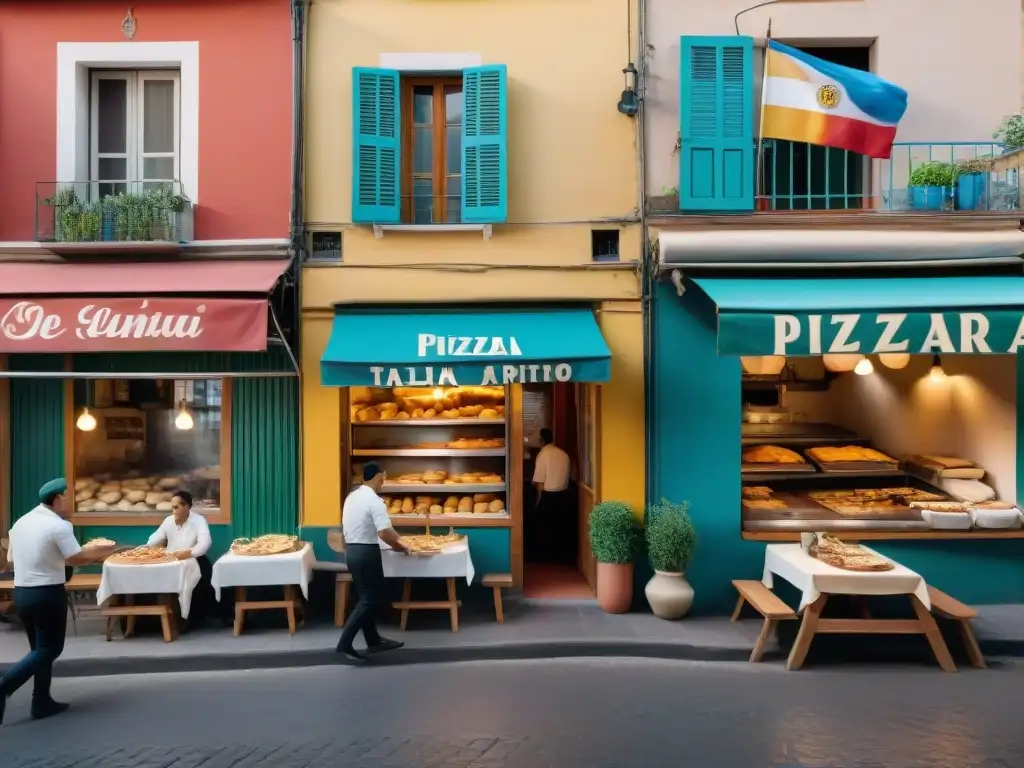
485, 229
677, 281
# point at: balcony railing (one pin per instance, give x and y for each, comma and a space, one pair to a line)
112, 212
919, 177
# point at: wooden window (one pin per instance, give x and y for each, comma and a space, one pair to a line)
431, 150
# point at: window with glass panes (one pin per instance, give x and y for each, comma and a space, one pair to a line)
134, 129
431, 181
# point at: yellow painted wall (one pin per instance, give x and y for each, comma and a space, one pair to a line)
321, 431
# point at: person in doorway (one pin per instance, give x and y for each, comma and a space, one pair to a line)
365, 523
42, 545
186, 534
551, 486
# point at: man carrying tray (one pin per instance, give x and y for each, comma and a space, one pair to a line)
42, 545
365, 523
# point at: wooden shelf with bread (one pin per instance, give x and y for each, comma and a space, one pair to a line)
443, 448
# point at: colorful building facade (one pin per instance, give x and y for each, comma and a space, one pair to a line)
148, 280
479, 187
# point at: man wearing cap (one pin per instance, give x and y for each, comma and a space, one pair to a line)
365, 524
42, 545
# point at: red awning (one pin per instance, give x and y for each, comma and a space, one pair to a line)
140, 278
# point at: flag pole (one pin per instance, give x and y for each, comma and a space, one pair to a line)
758, 172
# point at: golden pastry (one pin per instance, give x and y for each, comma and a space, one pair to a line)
489, 413
756, 492
496, 506
479, 508
430, 413
764, 504
488, 497
408, 506
490, 479
466, 504
771, 454
831, 454
451, 510
434, 476
452, 501
436, 509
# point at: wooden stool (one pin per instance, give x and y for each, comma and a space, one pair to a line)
497, 581
291, 604
768, 604
168, 622
341, 587
451, 605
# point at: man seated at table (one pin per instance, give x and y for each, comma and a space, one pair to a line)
186, 534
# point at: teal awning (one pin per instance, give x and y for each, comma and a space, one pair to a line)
953, 315
370, 347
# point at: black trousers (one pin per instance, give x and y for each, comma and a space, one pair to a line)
553, 538
367, 569
204, 601
44, 613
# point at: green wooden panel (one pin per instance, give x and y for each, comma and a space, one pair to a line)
264, 461
274, 359
37, 430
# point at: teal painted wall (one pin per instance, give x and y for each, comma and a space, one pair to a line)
696, 415
37, 430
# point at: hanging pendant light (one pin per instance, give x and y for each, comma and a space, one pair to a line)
895, 360
86, 421
864, 367
840, 363
936, 373
184, 419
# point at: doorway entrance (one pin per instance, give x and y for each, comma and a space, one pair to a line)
557, 559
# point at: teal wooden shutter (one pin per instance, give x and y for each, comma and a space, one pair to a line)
376, 145
484, 145
716, 155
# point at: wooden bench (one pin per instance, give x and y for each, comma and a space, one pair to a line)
766, 603
164, 609
78, 583
342, 580
497, 582
291, 604
950, 608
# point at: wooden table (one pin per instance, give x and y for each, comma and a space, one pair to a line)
452, 563
406, 604
291, 604
821, 581
118, 606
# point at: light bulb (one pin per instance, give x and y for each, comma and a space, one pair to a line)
183, 420
895, 360
439, 394
936, 373
86, 421
864, 367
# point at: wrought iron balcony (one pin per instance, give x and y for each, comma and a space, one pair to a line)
920, 178
112, 212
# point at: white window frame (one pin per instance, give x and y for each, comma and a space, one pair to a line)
74, 64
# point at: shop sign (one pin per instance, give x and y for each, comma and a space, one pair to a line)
132, 325
453, 376
429, 345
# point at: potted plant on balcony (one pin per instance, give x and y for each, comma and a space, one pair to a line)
931, 185
167, 209
670, 541
971, 178
666, 202
615, 541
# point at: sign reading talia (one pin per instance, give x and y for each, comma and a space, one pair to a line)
132, 325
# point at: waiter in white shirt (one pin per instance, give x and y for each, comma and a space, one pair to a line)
186, 534
42, 545
365, 524
551, 484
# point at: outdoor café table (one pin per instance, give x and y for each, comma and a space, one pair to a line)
817, 581
450, 564
163, 579
289, 570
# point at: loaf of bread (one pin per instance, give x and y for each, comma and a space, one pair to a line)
436, 509
163, 506
110, 497
466, 504
480, 508
408, 506
496, 506
135, 496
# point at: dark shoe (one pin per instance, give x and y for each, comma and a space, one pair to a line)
48, 709
385, 645
352, 655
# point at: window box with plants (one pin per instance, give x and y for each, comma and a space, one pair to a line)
615, 539
153, 215
670, 541
972, 179
931, 186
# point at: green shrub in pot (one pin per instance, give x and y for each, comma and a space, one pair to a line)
615, 537
932, 174
670, 541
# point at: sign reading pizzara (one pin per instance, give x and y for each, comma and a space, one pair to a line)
967, 333
466, 350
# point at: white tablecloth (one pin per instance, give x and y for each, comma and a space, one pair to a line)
177, 578
813, 577
265, 570
452, 562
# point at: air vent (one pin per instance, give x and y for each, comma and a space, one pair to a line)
604, 244
325, 247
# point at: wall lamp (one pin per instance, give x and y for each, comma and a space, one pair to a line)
629, 103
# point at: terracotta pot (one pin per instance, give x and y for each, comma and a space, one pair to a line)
669, 594
614, 587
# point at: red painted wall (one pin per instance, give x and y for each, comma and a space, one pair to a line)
245, 97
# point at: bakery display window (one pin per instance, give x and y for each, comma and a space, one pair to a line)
883, 446
136, 441
444, 451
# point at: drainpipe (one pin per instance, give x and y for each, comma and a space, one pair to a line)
300, 10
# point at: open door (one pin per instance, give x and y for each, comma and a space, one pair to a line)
587, 442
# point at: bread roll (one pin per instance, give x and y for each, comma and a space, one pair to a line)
100, 506
124, 505
85, 495
436, 509
163, 506
452, 501
401, 415
466, 504
490, 479
421, 509
110, 485
489, 413
479, 508
140, 507
451, 510
368, 414
500, 409
135, 496
82, 483
488, 497
417, 413
110, 497
407, 506
496, 506
430, 413
86, 506
153, 498
169, 483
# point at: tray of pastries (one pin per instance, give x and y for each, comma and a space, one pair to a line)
873, 501
852, 458
475, 504
773, 458
133, 491
441, 478
761, 497
411, 404
849, 557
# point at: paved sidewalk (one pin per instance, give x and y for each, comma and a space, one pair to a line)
532, 630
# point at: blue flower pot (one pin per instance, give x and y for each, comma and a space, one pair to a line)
970, 191
928, 198
107, 227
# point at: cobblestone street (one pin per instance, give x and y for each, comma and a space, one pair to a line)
567, 713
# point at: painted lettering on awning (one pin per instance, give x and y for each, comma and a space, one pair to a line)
445, 376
